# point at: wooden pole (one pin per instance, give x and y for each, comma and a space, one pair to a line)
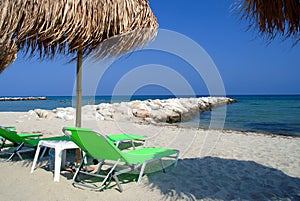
79, 87
78, 95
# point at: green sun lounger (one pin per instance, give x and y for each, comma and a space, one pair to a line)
100, 146
30, 141
12, 128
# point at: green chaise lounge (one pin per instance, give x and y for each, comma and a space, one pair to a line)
22, 135
30, 141
100, 146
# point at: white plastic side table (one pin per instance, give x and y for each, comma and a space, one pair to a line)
60, 147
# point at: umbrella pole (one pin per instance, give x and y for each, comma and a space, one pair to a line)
78, 95
79, 87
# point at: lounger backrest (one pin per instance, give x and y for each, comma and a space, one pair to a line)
10, 135
94, 143
71, 132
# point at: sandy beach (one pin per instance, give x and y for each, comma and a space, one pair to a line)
213, 165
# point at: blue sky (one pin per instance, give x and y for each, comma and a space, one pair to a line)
246, 64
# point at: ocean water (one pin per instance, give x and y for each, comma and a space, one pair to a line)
278, 114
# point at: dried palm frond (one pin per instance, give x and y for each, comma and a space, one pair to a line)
62, 26
272, 17
8, 53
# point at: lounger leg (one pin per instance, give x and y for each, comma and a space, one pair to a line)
16, 152
100, 166
78, 169
141, 172
110, 173
85, 158
43, 153
19, 155
117, 144
118, 183
162, 166
177, 156
132, 144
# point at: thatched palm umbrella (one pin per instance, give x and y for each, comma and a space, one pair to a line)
73, 28
272, 17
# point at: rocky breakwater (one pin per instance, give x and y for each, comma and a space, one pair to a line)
152, 111
175, 110
22, 98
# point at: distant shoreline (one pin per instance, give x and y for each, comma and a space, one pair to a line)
22, 98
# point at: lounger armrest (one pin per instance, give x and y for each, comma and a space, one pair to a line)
30, 135
126, 137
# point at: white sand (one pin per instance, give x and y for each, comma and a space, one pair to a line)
213, 165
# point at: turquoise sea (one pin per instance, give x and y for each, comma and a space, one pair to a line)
277, 114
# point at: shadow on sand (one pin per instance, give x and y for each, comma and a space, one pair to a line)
213, 178
225, 179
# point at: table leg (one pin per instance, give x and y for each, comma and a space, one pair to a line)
36, 156
63, 158
58, 153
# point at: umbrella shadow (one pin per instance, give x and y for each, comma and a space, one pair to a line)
225, 179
